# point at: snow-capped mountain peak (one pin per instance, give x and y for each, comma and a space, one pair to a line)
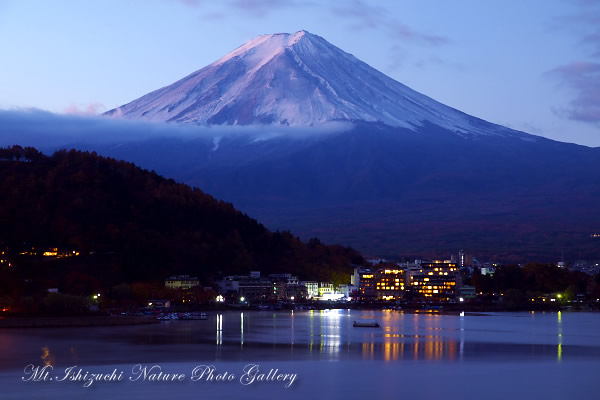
263, 48
296, 79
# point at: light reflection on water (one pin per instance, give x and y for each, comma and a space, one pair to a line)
409, 351
241, 330
417, 336
432, 349
559, 347
47, 357
319, 334
219, 329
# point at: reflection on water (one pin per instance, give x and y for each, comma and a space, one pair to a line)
462, 353
321, 335
330, 331
47, 356
461, 350
559, 349
434, 348
241, 329
219, 329
402, 336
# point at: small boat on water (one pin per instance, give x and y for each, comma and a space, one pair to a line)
366, 323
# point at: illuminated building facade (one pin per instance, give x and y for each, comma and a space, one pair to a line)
389, 283
52, 252
434, 280
366, 284
325, 288
312, 288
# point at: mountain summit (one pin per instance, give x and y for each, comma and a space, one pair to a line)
296, 79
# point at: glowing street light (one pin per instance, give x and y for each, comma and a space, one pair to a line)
242, 299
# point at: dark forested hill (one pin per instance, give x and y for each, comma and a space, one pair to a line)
393, 192
129, 224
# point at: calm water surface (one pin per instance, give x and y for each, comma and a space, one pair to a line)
412, 356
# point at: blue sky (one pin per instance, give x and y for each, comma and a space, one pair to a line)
531, 65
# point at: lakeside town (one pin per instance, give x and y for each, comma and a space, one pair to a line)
458, 283
105, 237
434, 284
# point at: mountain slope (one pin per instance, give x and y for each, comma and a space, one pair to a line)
389, 191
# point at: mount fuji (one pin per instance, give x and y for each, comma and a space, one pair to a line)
296, 79
402, 174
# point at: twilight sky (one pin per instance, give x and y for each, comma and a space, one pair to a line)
531, 65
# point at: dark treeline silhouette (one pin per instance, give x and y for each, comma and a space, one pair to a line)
520, 284
131, 225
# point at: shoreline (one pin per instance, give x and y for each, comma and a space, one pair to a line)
73, 322
40, 322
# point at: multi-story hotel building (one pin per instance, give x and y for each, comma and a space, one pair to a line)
389, 283
364, 279
434, 280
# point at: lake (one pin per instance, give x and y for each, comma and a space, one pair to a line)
311, 354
